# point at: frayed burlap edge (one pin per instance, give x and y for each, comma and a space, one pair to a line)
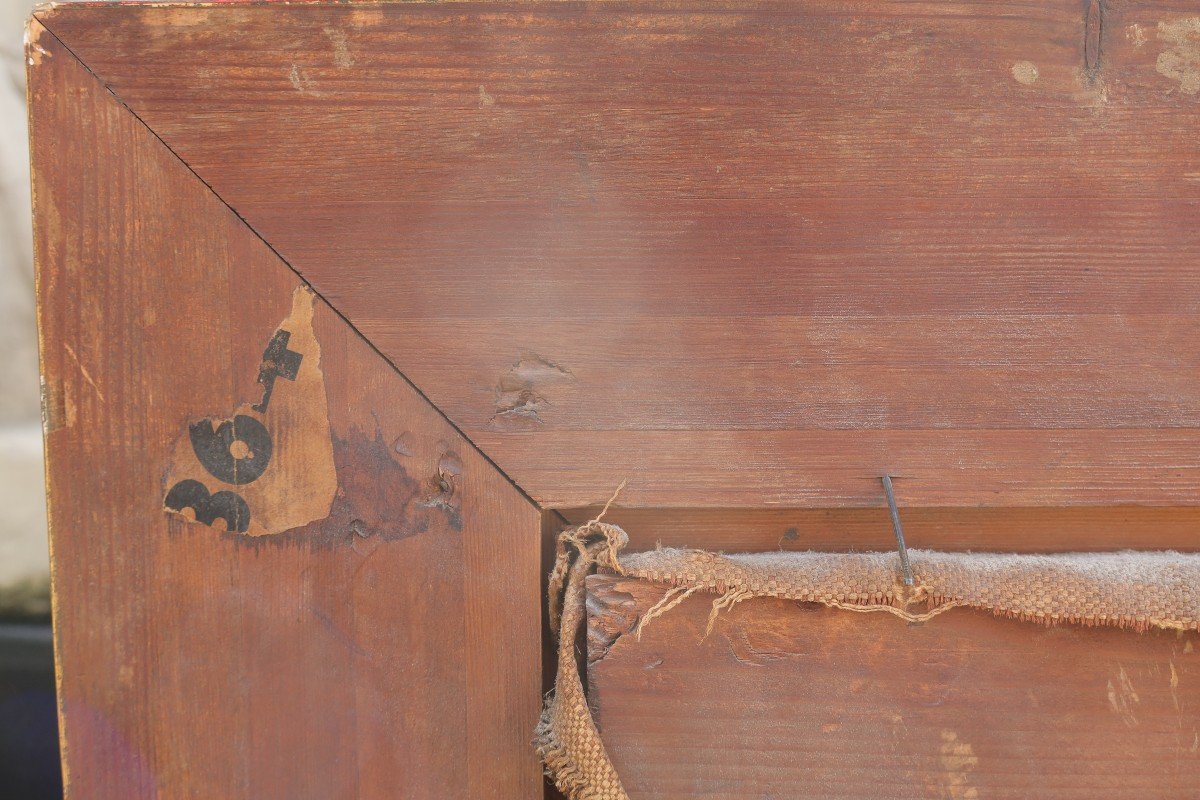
1138, 590
1128, 589
567, 739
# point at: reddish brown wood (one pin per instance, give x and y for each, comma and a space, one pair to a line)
741, 253
723, 469
1017, 530
747, 255
361, 655
784, 700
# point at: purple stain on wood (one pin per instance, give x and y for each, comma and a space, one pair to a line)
108, 752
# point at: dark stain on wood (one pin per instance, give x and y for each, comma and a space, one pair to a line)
376, 496
376, 499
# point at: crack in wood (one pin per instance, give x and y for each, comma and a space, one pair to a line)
1093, 34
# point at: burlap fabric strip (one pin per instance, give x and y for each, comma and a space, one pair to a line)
1137, 590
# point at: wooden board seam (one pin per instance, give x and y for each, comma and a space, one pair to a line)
39, 17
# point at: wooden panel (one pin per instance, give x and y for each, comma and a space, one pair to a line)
784, 700
630, 235
715, 469
1002, 530
359, 655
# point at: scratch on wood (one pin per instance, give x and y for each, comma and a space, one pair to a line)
761, 650
87, 376
1123, 698
336, 631
1174, 683
301, 82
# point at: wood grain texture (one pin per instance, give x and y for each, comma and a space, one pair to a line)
724, 469
741, 253
358, 656
997, 530
784, 700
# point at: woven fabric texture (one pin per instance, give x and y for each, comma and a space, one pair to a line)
1138, 590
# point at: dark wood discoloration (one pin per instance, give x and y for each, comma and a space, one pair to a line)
378, 497
786, 700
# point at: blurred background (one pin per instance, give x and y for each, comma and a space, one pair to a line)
29, 767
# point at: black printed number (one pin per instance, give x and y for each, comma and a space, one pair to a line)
237, 451
277, 362
228, 506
